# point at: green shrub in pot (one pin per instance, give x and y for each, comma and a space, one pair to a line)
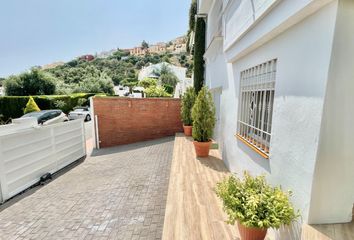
188, 100
253, 203
203, 115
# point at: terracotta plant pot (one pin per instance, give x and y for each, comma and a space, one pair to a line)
247, 233
187, 130
202, 148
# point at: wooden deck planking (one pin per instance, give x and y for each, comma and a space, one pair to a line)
341, 231
193, 210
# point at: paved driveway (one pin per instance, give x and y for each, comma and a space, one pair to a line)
118, 193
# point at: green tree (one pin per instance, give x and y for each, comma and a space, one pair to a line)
203, 114
166, 76
156, 91
102, 84
169, 79
144, 45
31, 106
130, 82
147, 82
166, 59
168, 88
140, 64
199, 50
34, 82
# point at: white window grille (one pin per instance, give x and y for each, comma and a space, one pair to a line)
256, 106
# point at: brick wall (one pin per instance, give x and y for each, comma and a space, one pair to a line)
129, 120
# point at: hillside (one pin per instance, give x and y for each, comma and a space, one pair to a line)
99, 73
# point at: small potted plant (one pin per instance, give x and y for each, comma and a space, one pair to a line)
203, 115
188, 100
255, 205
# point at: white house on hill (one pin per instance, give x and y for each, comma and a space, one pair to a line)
180, 72
281, 73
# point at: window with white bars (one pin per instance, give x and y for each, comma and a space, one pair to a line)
256, 106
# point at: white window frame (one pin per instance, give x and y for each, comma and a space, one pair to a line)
256, 100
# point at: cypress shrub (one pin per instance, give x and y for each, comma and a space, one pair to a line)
203, 114
31, 106
199, 50
192, 13
188, 100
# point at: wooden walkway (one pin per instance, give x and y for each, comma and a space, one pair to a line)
193, 210
342, 231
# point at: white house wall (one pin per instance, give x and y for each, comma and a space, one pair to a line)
214, 25
216, 79
263, 27
299, 95
333, 188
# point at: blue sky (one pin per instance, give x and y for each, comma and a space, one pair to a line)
38, 32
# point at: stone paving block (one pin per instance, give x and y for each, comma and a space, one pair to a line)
117, 193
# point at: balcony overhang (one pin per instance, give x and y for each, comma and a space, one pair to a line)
214, 47
204, 6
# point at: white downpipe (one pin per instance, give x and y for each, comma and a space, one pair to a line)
97, 138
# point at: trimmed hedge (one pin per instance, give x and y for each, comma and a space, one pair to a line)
13, 106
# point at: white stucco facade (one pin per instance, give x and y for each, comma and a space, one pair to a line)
311, 146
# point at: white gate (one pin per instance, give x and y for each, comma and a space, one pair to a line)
27, 154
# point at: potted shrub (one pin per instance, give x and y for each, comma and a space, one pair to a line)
255, 205
188, 100
203, 115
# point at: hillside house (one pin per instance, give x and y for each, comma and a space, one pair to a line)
87, 57
138, 51
157, 48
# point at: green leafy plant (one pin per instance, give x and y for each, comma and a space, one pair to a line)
31, 106
81, 102
129, 82
254, 203
156, 91
59, 104
34, 82
203, 115
147, 82
166, 76
168, 88
188, 100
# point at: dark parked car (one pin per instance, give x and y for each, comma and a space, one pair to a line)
47, 117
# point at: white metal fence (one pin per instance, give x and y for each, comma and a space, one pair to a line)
27, 154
